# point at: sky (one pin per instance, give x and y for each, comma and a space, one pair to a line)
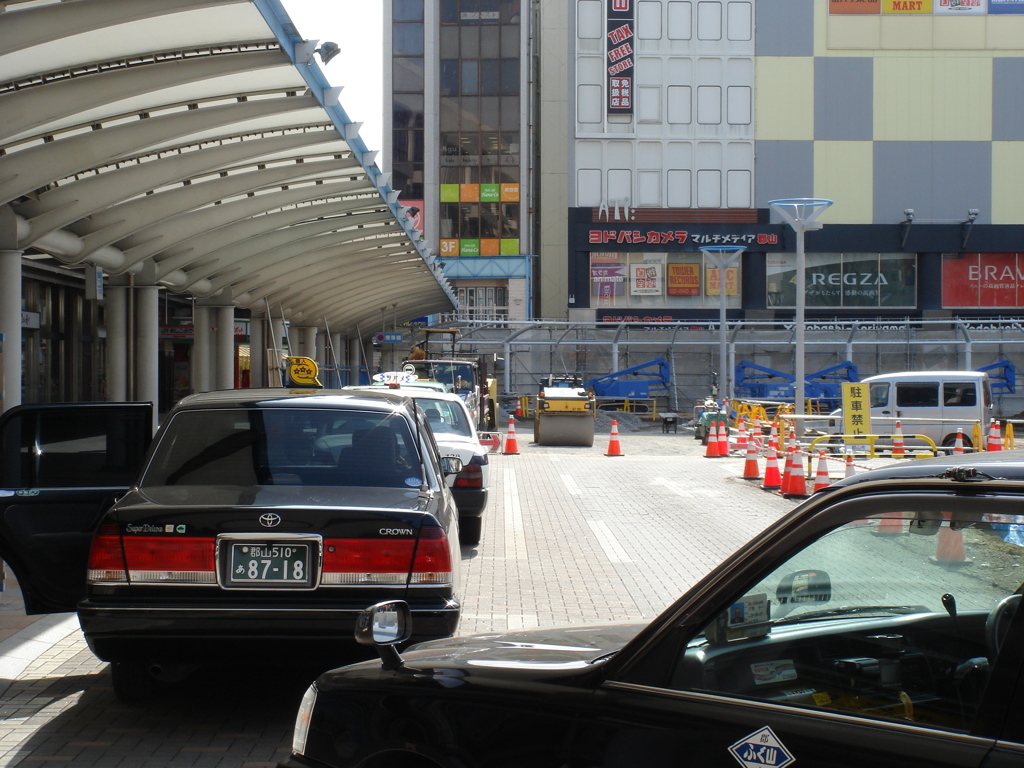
357, 26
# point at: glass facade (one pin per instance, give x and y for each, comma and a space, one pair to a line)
479, 114
407, 121
845, 280
669, 280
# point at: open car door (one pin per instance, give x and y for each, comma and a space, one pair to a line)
61, 467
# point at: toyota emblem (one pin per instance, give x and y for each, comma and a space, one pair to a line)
270, 520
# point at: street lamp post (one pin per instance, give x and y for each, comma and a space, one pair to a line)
800, 213
723, 256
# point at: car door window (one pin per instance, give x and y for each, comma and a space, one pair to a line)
918, 395
73, 448
879, 394
960, 394
898, 616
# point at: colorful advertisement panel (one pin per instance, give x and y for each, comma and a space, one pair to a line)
844, 280
1006, 6
982, 280
732, 281
645, 279
684, 279
855, 6
960, 7
906, 6
620, 58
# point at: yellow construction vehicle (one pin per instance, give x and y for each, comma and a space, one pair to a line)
565, 414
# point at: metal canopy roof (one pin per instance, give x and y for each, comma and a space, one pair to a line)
196, 144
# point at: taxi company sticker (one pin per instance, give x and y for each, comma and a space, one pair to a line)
761, 748
30, 492
766, 672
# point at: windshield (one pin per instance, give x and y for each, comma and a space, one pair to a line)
876, 566
285, 446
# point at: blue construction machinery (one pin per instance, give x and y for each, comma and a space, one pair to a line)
635, 382
756, 382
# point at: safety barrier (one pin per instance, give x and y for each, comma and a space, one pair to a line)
854, 441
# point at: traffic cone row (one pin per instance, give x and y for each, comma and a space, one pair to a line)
796, 485
714, 448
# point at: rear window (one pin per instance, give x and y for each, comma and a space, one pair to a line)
446, 418
285, 446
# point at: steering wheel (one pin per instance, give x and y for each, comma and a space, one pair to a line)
998, 622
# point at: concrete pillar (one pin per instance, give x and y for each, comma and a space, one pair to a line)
354, 360
257, 352
202, 379
147, 347
336, 355
116, 316
309, 337
225, 354
320, 350
10, 327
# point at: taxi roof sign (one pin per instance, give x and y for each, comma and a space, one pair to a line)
302, 372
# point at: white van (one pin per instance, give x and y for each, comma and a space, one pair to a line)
931, 403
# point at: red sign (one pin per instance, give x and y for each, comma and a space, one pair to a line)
979, 280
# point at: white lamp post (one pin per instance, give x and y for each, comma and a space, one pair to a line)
723, 256
800, 213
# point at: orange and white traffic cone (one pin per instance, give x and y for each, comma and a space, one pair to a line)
995, 440
787, 473
821, 477
949, 549
773, 437
958, 446
711, 452
511, 446
890, 524
798, 479
519, 409
850, 469
772, 478
723, 438
897, 443
614, 449
750, 469
741, 436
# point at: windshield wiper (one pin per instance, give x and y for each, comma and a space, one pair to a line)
853, 610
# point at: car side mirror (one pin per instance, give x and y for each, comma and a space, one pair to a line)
451, 465
384, 626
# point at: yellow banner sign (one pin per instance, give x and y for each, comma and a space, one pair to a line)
302, 372
856, 411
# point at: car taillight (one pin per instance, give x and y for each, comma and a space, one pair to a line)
433, 563
367, 561
471, 476
106, 558
169, 560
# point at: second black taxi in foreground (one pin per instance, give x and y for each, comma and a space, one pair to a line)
876, 625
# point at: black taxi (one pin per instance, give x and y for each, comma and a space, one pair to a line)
258, 525
874, 625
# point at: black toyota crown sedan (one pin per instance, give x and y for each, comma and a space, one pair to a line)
262, 524
875, 625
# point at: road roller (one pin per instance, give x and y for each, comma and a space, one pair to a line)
565, 416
